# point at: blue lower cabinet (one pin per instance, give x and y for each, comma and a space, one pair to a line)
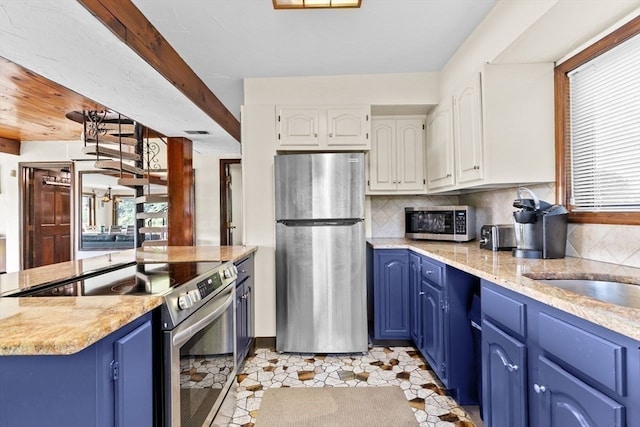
245, 302
107, 384
504, 373
420, 299
565, 401
391, 295
414, 299
544, 367
433, 311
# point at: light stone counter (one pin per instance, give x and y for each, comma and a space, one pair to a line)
193, 253
38, 276
66, 325
503, 269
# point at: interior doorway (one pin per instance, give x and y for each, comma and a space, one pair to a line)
231, 232
46, 207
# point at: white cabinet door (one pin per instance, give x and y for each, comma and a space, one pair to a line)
298, 127
440, 160
382, 158
410, 154
348, 126
396, 159
467, 126
323, 128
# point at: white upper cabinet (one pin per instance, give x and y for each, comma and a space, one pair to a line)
501, 133
322, 128
440, 160
396, 159
467, 132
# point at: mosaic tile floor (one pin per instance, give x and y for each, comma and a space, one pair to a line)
381, 366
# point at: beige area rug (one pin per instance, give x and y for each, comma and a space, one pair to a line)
335, 406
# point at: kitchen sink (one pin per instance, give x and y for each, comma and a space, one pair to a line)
616, 292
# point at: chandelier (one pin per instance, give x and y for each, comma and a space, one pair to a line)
107, 197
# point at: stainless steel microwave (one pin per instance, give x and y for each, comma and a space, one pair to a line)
452, 223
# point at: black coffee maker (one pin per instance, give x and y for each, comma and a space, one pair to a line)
540, 228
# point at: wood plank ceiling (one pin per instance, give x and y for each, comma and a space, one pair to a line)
33, 108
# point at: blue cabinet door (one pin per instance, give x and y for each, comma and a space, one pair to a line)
133, 377
565, 401
504, 378
415, 296
241, 323
391, 294
432, 327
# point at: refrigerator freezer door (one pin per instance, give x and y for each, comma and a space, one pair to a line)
320, 289
319, 186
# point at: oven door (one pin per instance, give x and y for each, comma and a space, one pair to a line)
199, 362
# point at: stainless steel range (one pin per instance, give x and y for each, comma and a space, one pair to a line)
195, 328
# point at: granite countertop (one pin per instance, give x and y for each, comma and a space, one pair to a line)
66, 325
32, 277
503, 269
193, 253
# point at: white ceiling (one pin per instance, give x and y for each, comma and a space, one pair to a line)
225, 41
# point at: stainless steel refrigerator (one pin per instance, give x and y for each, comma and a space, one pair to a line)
320, 253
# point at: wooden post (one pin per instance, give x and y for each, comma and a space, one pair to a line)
180, 178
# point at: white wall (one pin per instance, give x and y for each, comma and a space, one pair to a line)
207, 178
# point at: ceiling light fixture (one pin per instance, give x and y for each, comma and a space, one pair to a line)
315, 4
106, 197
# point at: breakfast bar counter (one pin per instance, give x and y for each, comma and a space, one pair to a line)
517, 275
68, 324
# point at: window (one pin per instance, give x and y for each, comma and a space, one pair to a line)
88, 211
124, 211
598, 130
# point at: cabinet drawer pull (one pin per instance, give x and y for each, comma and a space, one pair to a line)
315, 135
420, 293
428, 272
539, 388
243, 271
331, 135
448, 175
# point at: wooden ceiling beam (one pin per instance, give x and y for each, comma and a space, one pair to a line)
126, 21
9, 146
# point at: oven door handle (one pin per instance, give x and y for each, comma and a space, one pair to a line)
190, 327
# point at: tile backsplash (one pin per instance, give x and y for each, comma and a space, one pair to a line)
618, 244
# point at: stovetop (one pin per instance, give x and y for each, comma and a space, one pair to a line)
139, 279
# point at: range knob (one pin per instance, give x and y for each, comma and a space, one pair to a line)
194, 296
228, 273
184, 302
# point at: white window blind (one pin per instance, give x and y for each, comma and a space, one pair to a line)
605, 131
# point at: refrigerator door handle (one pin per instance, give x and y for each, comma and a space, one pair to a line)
320, 222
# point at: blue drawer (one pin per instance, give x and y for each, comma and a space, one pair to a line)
506, 311
432, 271
245, 269
589, 354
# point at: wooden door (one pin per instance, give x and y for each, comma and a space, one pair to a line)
230, 202
49, 223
